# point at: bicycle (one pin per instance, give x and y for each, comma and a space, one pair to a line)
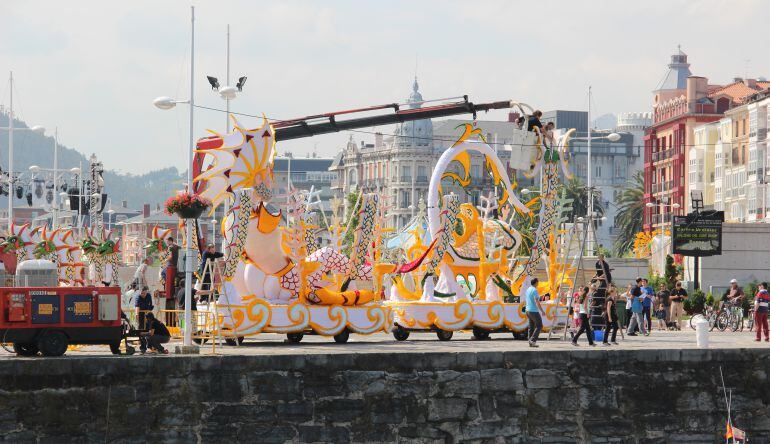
708, 314
730, 316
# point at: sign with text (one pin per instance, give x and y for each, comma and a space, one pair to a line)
698, 234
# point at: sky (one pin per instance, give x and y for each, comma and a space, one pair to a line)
93, 68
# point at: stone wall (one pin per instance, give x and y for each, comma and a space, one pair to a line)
645, 396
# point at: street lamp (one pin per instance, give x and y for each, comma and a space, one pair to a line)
11, 129
110, 212
214, 231
166, 103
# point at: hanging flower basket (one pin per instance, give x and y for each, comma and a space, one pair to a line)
187, 206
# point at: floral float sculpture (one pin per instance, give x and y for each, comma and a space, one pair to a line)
270, 282
470, 252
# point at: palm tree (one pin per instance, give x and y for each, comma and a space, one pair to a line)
628, 221
575, 189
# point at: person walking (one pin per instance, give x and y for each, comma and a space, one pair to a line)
761, 308
611, 317
677, 305
585, 324
649, 296
534, 311
637, 313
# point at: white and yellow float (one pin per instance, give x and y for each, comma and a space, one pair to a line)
459, 287
274, 280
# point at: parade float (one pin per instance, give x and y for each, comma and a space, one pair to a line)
275, 278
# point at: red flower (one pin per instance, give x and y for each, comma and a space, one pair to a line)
183, 201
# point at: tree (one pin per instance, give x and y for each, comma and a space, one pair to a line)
575, 189
671, 272
628, 221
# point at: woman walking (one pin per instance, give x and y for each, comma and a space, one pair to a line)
585, 325
611, 317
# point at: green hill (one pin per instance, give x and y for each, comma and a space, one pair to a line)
36, 149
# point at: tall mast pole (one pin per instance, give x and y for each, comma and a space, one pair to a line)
55, 210
227, 79
189, 222
10, 160
590, 205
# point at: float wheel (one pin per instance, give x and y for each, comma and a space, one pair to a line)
234, 341
294, 338
480, 333
444, 335
342, 337
400, 334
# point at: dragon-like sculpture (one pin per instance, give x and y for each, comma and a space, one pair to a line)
19, 241
550, 156
101, 253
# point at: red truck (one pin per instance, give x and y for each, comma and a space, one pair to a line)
48, 319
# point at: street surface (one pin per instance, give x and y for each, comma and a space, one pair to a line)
274, 344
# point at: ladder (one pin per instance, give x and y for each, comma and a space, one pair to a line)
215, 269
561, 323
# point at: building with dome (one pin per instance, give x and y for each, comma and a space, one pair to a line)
398, 166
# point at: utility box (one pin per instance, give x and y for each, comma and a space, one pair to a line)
108, 307
78, 308
45, 307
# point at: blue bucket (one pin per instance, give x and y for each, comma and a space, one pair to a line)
598, 335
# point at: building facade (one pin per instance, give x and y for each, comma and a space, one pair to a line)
734, 152
398, 168
682, 102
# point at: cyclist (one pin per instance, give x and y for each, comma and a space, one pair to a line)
733, 296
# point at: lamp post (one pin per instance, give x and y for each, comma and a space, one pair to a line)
214, 231
166, 103
110, 212
55, 173
612, 137
10, 128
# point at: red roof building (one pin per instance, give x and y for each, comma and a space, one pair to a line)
681, 102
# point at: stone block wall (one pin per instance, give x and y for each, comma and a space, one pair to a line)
648, 396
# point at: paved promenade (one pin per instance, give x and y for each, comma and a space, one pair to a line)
274, 344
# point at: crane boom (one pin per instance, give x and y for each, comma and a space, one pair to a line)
328, 123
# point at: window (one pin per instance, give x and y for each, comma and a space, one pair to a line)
598, 171
422, 172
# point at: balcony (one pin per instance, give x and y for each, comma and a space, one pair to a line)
422, 179
662, 155
407, 179
662, 187
658, 219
